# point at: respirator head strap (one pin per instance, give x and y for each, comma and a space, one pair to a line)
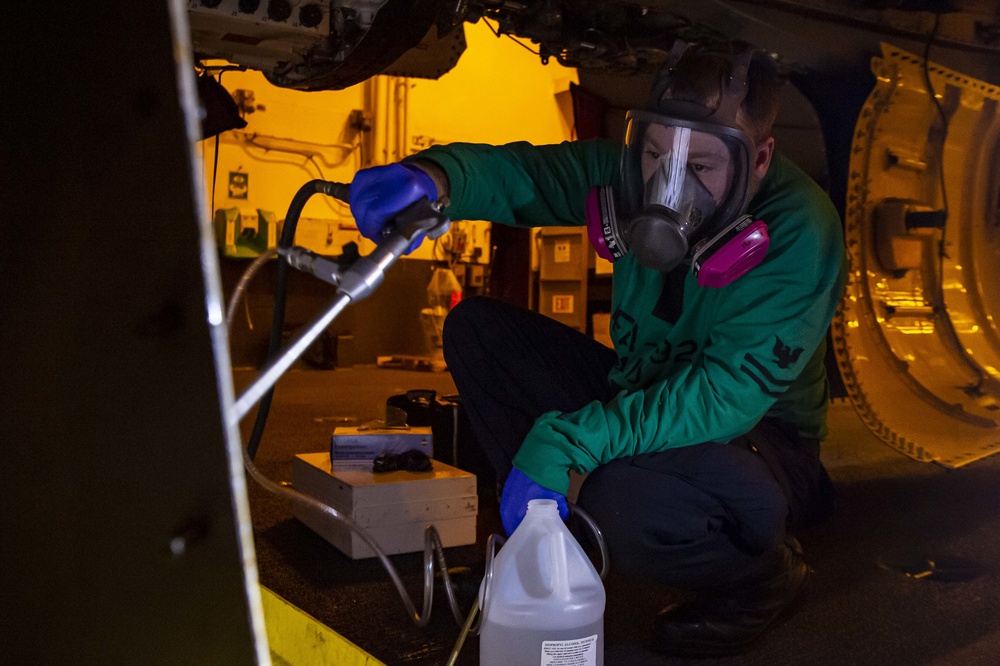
719, 108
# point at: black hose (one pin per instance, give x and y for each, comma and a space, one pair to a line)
337, 190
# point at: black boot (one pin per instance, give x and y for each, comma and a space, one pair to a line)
726, 621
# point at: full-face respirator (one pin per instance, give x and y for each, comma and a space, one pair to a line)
683, 187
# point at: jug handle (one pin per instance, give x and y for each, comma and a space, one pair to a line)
560, 569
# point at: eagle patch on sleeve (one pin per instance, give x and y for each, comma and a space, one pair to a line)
784, 357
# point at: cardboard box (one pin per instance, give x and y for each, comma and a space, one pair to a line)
394, 507
563, 253
366, 444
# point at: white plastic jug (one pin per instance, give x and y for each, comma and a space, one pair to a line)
545, 603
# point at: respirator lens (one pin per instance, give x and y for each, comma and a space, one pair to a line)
689, 173
699, 171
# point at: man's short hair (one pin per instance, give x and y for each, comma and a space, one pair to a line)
699, 73
760, 106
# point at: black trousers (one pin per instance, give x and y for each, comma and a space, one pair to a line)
695, 517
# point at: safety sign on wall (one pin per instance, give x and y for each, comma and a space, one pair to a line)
562, 252
562, 304
239, 185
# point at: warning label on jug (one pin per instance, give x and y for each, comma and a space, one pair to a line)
577, 652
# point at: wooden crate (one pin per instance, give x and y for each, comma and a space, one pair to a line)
394, 507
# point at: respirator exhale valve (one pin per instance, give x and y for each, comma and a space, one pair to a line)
657, 238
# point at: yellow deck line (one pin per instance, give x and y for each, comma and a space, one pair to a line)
297, 639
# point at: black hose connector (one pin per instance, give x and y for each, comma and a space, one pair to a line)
340, 191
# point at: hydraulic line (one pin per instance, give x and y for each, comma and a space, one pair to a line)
471, 626
245, 279
432, 547
350, 287
433, 551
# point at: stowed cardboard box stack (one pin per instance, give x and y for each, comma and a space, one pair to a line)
394, 507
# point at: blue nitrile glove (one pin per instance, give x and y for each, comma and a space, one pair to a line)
379, 193
517, 491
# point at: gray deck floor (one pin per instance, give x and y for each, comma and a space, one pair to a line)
866, 605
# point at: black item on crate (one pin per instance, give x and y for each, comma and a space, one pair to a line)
454, 442
408, 461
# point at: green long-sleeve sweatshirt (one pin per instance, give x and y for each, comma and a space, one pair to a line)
706, 369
